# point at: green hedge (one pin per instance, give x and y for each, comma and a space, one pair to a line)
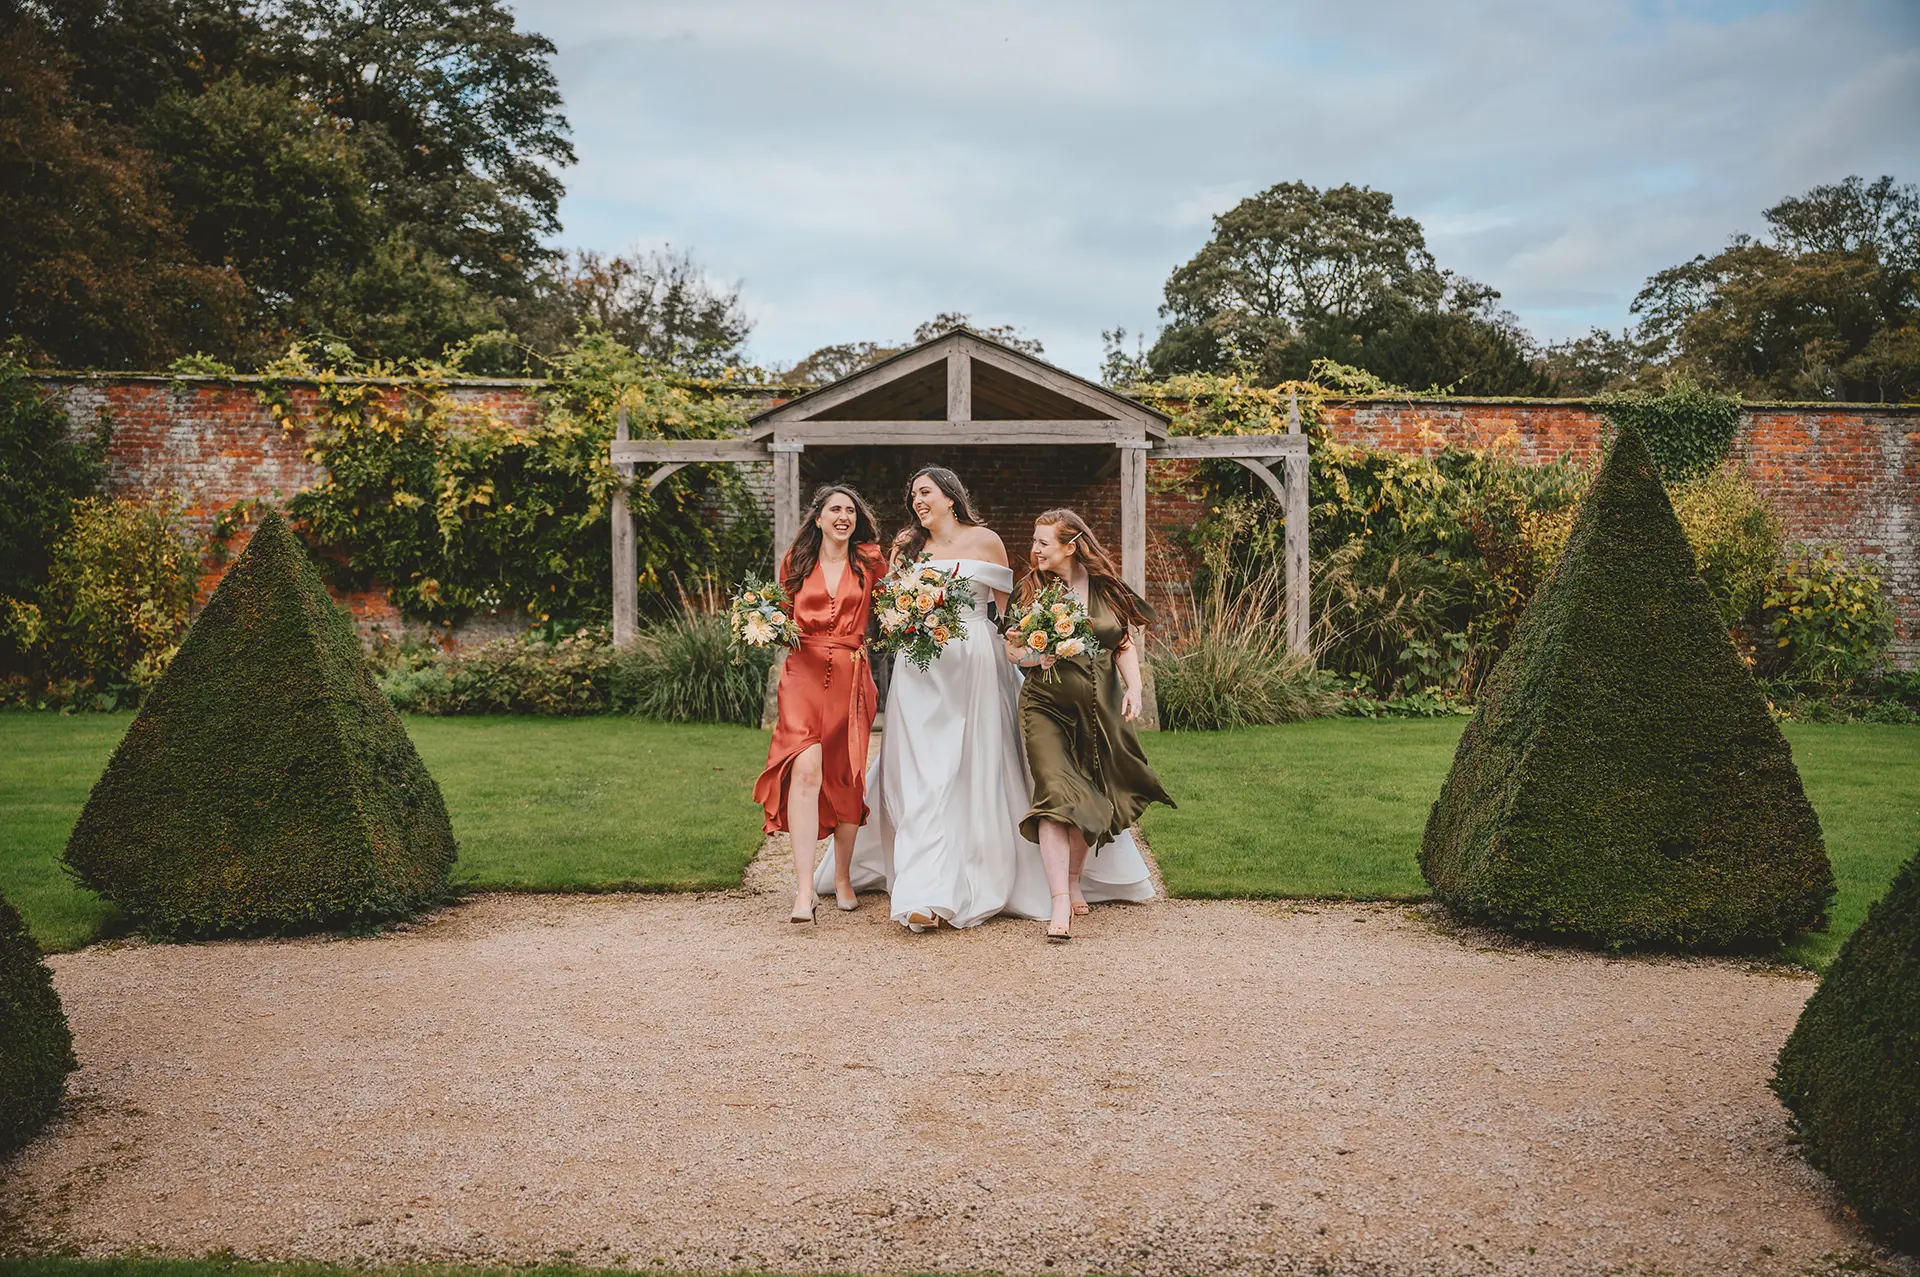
36, 1049
1622, 780
266, 785
1850, 1073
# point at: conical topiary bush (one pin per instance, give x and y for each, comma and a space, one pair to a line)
36, 1050
266, 785
1621, 780
1850, 1073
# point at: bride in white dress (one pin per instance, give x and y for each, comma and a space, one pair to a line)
948, 786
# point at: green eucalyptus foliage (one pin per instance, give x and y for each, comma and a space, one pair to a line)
36, 1048
266, 785
1850, 1073
463, 512
1622, 780
1687, 427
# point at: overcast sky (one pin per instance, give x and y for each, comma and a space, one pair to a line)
858, 167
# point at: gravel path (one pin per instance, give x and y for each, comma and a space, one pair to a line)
692, 1080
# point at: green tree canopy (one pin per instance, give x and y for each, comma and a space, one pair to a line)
1826, 307
660, 305
223, 175
1296, 274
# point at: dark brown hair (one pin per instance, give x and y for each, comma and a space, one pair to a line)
914, 537
1103, 574
805, 551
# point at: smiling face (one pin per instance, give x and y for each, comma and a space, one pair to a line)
1051, 550
837, 518
929, 503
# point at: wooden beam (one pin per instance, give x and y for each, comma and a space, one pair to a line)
1133, 545
1231, 447
1072, 387
959, 384
1298, 576
1268, 477
823, 434
686, 451
626, 566
809, 405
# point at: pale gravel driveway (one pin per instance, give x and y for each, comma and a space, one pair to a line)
691, 1080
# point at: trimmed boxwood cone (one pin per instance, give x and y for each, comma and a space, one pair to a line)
36, 1049
1850, 1073
266, 785
1622, 780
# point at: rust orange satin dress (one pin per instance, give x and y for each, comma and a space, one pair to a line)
827, 696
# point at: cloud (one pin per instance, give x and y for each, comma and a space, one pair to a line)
861, 166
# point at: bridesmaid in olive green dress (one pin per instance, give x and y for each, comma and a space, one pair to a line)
1090, 779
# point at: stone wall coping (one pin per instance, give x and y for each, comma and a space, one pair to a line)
537, 383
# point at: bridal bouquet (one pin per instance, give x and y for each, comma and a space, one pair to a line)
761, 615
920, 607
1055, 624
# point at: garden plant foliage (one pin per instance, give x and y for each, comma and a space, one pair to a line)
266, 785
1848, 1071
1622, 780
36, 1048
457, 513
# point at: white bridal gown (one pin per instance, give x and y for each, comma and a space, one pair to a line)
948, 788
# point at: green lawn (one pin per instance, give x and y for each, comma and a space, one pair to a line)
1332, 808
1335, 808
538, 804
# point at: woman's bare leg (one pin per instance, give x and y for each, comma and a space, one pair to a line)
803, 824
1056, 853
1076, 861
843, 836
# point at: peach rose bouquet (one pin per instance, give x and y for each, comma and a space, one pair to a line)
761, 616
919, 607
1055, 624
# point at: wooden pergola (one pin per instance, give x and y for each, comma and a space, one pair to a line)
962, 389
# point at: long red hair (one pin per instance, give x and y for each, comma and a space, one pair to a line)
1103, 574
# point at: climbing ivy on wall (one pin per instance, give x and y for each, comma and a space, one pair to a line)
458, 512
1688, 428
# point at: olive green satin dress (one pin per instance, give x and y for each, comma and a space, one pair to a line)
1084, 756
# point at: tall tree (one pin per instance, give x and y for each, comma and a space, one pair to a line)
1296, 274
459, 114
1826, 307
660, 304
94, 268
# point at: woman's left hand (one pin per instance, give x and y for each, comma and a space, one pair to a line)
1130, 704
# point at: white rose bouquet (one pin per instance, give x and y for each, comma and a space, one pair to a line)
1054, 624
919, 608
761, 616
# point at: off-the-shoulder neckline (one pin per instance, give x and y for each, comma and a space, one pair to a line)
985, 563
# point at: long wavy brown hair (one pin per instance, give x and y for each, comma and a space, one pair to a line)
1103, 574
914, 537
805, 551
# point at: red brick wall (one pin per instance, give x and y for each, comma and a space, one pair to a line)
1846, 476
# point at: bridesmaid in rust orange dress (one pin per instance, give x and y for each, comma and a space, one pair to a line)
816, 776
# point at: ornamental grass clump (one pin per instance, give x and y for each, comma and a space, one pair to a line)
1622, 780
266, 786
1850, 1072
36, 1048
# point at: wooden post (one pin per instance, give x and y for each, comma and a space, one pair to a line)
1299, 622
626, 565
1133, 554
786, 496
786, 526
959, 385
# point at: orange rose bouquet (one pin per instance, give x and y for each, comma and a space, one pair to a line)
1055, 624
919, 607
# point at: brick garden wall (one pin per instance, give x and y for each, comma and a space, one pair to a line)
1846, 476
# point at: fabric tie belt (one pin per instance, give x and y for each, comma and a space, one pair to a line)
855, 648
